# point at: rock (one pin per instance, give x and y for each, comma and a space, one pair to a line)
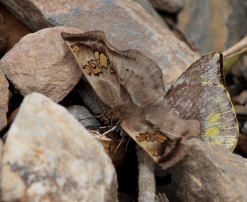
213, 25
39, 63
4, 99
10, 32
126, 25
150, 9
208, 173
83, 115
171, 6
90, 98
49, 156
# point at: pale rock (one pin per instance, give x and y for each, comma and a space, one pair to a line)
208, 173
40, 63
213, 25
49, 156
4, 99
126, 25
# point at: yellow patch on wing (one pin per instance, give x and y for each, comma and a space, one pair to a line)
76, 50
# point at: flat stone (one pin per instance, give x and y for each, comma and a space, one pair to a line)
213, 25
39, 63
208, 173
83, 115
126, 25
4, 99
49, 156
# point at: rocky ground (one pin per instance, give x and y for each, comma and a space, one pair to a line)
52, 149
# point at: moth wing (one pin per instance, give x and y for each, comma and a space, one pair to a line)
166, 149
209, 103
141, 78
209, 68
100, 63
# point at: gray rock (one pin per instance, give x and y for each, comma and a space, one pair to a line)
38, 63
213, 25
83, 115
150, 9
4, 99
49, 156
126, 25
90, 98
170, 6
208, 173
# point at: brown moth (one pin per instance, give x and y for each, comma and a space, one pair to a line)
131, 85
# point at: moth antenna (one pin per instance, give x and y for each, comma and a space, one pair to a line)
105, 133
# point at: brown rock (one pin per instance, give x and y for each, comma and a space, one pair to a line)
38, 63
208, 173
126, 25
4, 98
49, 156
170, 6
10, 32
213, 25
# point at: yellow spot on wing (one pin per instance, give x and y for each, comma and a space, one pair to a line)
212, 132
76, 50
103, 60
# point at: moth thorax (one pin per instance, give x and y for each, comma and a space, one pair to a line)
110, 117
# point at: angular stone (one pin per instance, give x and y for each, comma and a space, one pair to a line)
39, 63
126, 25
213, 25
83, 115
4, 99
208, 173
146, 4
170, 6
49, 156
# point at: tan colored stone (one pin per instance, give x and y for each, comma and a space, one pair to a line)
49, 156
208, 173
170, 6
4, 98
38, 63
126, 25
213, 25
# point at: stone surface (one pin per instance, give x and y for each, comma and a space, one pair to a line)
83, 115
4, 98
90, 98
208, 173
146, 4
12, 31
213, 25
170, 6
39, 63
49, 156
126, 25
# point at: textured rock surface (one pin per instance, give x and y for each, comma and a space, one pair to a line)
38, 63
170, 6
213, 25
49, 156
12, 30
126, 25
4, 98
83, 115
208, 173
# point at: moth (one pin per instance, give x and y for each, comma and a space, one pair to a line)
197, 105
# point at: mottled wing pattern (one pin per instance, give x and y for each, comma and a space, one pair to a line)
99, 62
206, 100
207, 68
165, 148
